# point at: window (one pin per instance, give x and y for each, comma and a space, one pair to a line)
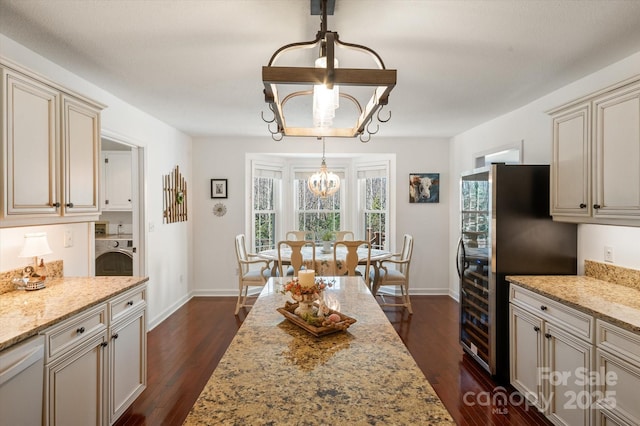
373, 184
266, 190
281, 200
312, 213
509, 154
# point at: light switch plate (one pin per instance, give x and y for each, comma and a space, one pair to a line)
68, 239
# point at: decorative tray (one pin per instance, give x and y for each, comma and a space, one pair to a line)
324, 327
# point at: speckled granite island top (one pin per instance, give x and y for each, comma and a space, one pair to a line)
276, 373
26, 313
614, 303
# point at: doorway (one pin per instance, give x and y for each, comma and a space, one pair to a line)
123, 216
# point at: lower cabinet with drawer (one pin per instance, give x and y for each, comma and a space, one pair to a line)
127, 350
551, 352
95, 362
618, 363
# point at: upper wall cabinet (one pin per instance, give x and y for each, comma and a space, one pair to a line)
595, 172
50, 152
116, 181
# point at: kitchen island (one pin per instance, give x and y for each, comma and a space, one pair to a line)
275, 372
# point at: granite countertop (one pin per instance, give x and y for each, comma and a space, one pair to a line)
26, 313
614, 303
275, 372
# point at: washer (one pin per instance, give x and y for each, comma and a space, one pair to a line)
114, 256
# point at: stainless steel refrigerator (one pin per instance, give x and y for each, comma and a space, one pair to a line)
505, 230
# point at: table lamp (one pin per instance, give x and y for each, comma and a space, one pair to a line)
35, 244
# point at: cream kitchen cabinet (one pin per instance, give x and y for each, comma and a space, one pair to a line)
571, 165
95, 361
551, 347
595, 172
50, 152
127, 351
75, 369
116, 181
618, 362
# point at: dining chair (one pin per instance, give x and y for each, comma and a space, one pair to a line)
296, 258
345, 235
398, 275
352, 259
300, 235
248, 274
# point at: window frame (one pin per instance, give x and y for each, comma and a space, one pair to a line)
351, 202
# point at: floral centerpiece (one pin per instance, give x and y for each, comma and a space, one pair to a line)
310, 312
297, 290
306, 290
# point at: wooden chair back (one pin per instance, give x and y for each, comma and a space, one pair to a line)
345, 235
297, 259
300, 236
352, 258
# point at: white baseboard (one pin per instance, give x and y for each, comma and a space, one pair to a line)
167, 312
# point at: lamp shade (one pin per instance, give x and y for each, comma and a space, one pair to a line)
35, 244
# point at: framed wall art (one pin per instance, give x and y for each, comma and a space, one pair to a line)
218, 188
424, 187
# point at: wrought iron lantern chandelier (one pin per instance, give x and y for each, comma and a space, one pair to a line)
329, 83
323, 183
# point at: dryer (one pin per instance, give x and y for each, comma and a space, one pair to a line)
114, 255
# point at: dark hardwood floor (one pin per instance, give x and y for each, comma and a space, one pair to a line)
184, 350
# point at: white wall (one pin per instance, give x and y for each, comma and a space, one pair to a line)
214, 255
531, 124
168, 251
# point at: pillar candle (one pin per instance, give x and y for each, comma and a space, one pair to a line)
307, 278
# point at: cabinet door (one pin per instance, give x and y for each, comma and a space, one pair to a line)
128, 368
526, 353
30, 138
617, 154
81, 147
117, 181
570, 176
567, 394
75, 386
618, 386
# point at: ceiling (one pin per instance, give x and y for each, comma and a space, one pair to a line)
196, 65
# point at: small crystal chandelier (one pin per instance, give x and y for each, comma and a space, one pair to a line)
323, 183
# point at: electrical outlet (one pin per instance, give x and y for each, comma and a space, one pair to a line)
608, 254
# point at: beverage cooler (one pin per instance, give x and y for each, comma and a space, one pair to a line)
506, 229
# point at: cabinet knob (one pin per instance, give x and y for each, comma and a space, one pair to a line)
536, 329
547, 335
130, 303
104, 344
543, 308
596, 206
80, 330
70, 205
56, 205
583, 206
115, 336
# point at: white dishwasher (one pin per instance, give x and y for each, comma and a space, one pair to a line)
22, 383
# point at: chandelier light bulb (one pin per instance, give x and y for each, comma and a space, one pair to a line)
325, 100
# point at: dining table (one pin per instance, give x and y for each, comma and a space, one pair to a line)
324, 263
276, 372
